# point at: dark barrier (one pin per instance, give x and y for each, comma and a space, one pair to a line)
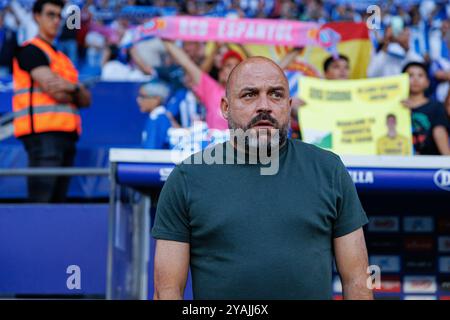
51, 249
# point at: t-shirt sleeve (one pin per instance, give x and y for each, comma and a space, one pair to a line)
31, 57
172, 220
440, 117
350, 213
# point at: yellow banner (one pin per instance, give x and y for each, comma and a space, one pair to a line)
357, 117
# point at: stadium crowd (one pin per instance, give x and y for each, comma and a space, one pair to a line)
183, 82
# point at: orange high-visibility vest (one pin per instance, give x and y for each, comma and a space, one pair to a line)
34, 110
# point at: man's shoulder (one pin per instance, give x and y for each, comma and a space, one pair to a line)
429, 108
212, 154
316, 163
312, 152
28, 47
435, 105
30, 51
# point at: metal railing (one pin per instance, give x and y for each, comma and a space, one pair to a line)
64, 171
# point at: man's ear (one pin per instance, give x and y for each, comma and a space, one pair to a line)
36, 17
224, 107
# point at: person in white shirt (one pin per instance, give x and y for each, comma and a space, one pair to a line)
146, 54
394, 54
115, 70
27, 27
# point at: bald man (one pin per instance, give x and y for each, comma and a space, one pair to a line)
245, 235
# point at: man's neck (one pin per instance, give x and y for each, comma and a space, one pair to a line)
392, 133
46, 38
418, 99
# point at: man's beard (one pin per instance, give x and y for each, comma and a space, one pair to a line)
264, 138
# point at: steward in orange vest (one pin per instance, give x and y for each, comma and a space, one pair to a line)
46, 100
36, 111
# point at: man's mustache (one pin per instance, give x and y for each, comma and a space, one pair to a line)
264, 116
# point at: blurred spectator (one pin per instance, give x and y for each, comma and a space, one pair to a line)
344, 13
394, 54
314, 11
8, 46
146, 54
95, 44
151, 99
447, 106
427, 9
336, 68
67, 40
257, 8
114, 70
118, 29
419, 30
86, 18
440, 59
250, 7
197, 7
183, 103
403, 13
27, 27
429, 121
208, 90
288, 10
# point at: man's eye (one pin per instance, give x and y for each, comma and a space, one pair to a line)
249, 94
277, 95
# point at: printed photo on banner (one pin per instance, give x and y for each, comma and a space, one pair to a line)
356, 117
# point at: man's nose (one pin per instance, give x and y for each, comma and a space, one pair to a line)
263, 104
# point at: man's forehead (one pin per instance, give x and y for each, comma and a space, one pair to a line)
51, 6
258, 74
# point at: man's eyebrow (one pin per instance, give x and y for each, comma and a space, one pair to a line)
277, 88
249, 89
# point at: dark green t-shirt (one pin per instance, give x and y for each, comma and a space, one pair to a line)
256, 236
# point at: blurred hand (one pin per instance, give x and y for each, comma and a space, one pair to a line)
148, 70
407, 103
447, 76
403, 39
387, 38
57, 84
388, 35
297, 102
174, 123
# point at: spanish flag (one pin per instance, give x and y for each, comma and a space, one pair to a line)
354, 42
